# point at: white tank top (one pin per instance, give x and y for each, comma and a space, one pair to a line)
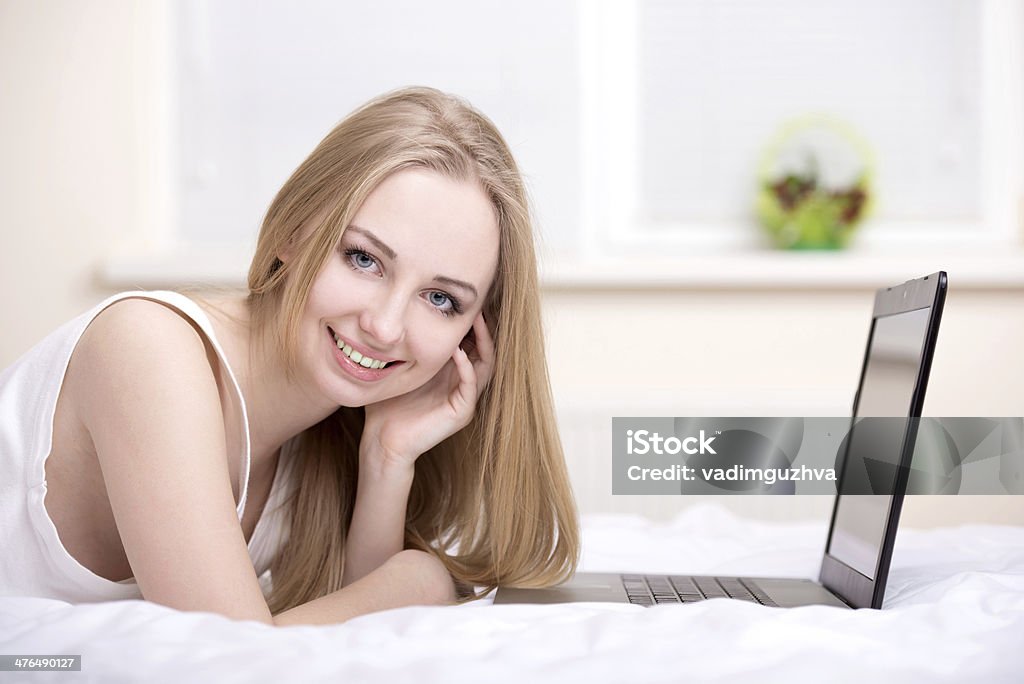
34, 562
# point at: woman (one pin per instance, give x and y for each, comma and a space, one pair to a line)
372, 422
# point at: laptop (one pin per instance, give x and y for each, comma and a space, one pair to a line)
855, 565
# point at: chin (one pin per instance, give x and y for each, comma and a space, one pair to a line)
357, 399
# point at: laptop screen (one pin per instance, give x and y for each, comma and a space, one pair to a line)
887, 389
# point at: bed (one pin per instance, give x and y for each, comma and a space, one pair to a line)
954, 611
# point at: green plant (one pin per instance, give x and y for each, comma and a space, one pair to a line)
815, 185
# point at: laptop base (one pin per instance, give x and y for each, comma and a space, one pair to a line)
613, 587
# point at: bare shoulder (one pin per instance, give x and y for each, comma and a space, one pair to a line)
140, 326
150, 403
134, 351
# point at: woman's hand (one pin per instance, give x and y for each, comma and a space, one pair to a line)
398, 430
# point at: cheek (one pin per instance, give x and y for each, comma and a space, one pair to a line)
325, 283
434, 350
337, 290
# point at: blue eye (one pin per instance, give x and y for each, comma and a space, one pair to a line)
445, 303
360, 260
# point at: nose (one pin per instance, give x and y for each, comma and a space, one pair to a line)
383, 320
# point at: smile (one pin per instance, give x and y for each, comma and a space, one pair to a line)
356, 357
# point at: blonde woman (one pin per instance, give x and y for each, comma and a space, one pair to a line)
370, 427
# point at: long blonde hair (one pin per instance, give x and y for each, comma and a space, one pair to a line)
492, 502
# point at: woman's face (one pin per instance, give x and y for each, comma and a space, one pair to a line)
410, 274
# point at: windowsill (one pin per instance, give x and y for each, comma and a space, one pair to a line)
783, 270
779, 270
172, 267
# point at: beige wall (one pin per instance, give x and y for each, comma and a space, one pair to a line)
71, 135
77, 180
764, 353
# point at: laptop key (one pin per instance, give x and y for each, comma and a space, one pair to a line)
649, 590
737, 591
759, 593
684, 585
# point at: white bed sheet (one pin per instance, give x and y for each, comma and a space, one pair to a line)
954, 611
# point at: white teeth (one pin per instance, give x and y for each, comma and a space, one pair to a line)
364, 361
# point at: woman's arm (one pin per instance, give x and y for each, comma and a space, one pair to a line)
377, 531
154, 414
396, 432
155, 418
407, 578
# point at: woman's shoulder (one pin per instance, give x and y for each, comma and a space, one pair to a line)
138, 313
142, 373
136, 338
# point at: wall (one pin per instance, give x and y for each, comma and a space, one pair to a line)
72, 173
78, 182
763, 353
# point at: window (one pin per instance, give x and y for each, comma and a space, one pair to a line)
257, 85
638, 124
681, 99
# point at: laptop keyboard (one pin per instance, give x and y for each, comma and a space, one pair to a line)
648, 590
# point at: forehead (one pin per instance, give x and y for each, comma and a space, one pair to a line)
434, 224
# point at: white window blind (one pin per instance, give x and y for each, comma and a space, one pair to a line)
638, 124
258, 84
719, 77
683, 97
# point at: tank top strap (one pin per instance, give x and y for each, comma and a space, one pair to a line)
196, 314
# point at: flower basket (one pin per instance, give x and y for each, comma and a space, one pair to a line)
814, 185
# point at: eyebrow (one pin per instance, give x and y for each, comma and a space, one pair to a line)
376, 241
379, 244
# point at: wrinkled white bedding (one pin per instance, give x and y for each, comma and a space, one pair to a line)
954, 611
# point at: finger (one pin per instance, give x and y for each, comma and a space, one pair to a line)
468, 343
465, 392
484, 341
485, 349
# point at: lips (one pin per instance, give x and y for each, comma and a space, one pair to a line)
356, 370
359, 355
